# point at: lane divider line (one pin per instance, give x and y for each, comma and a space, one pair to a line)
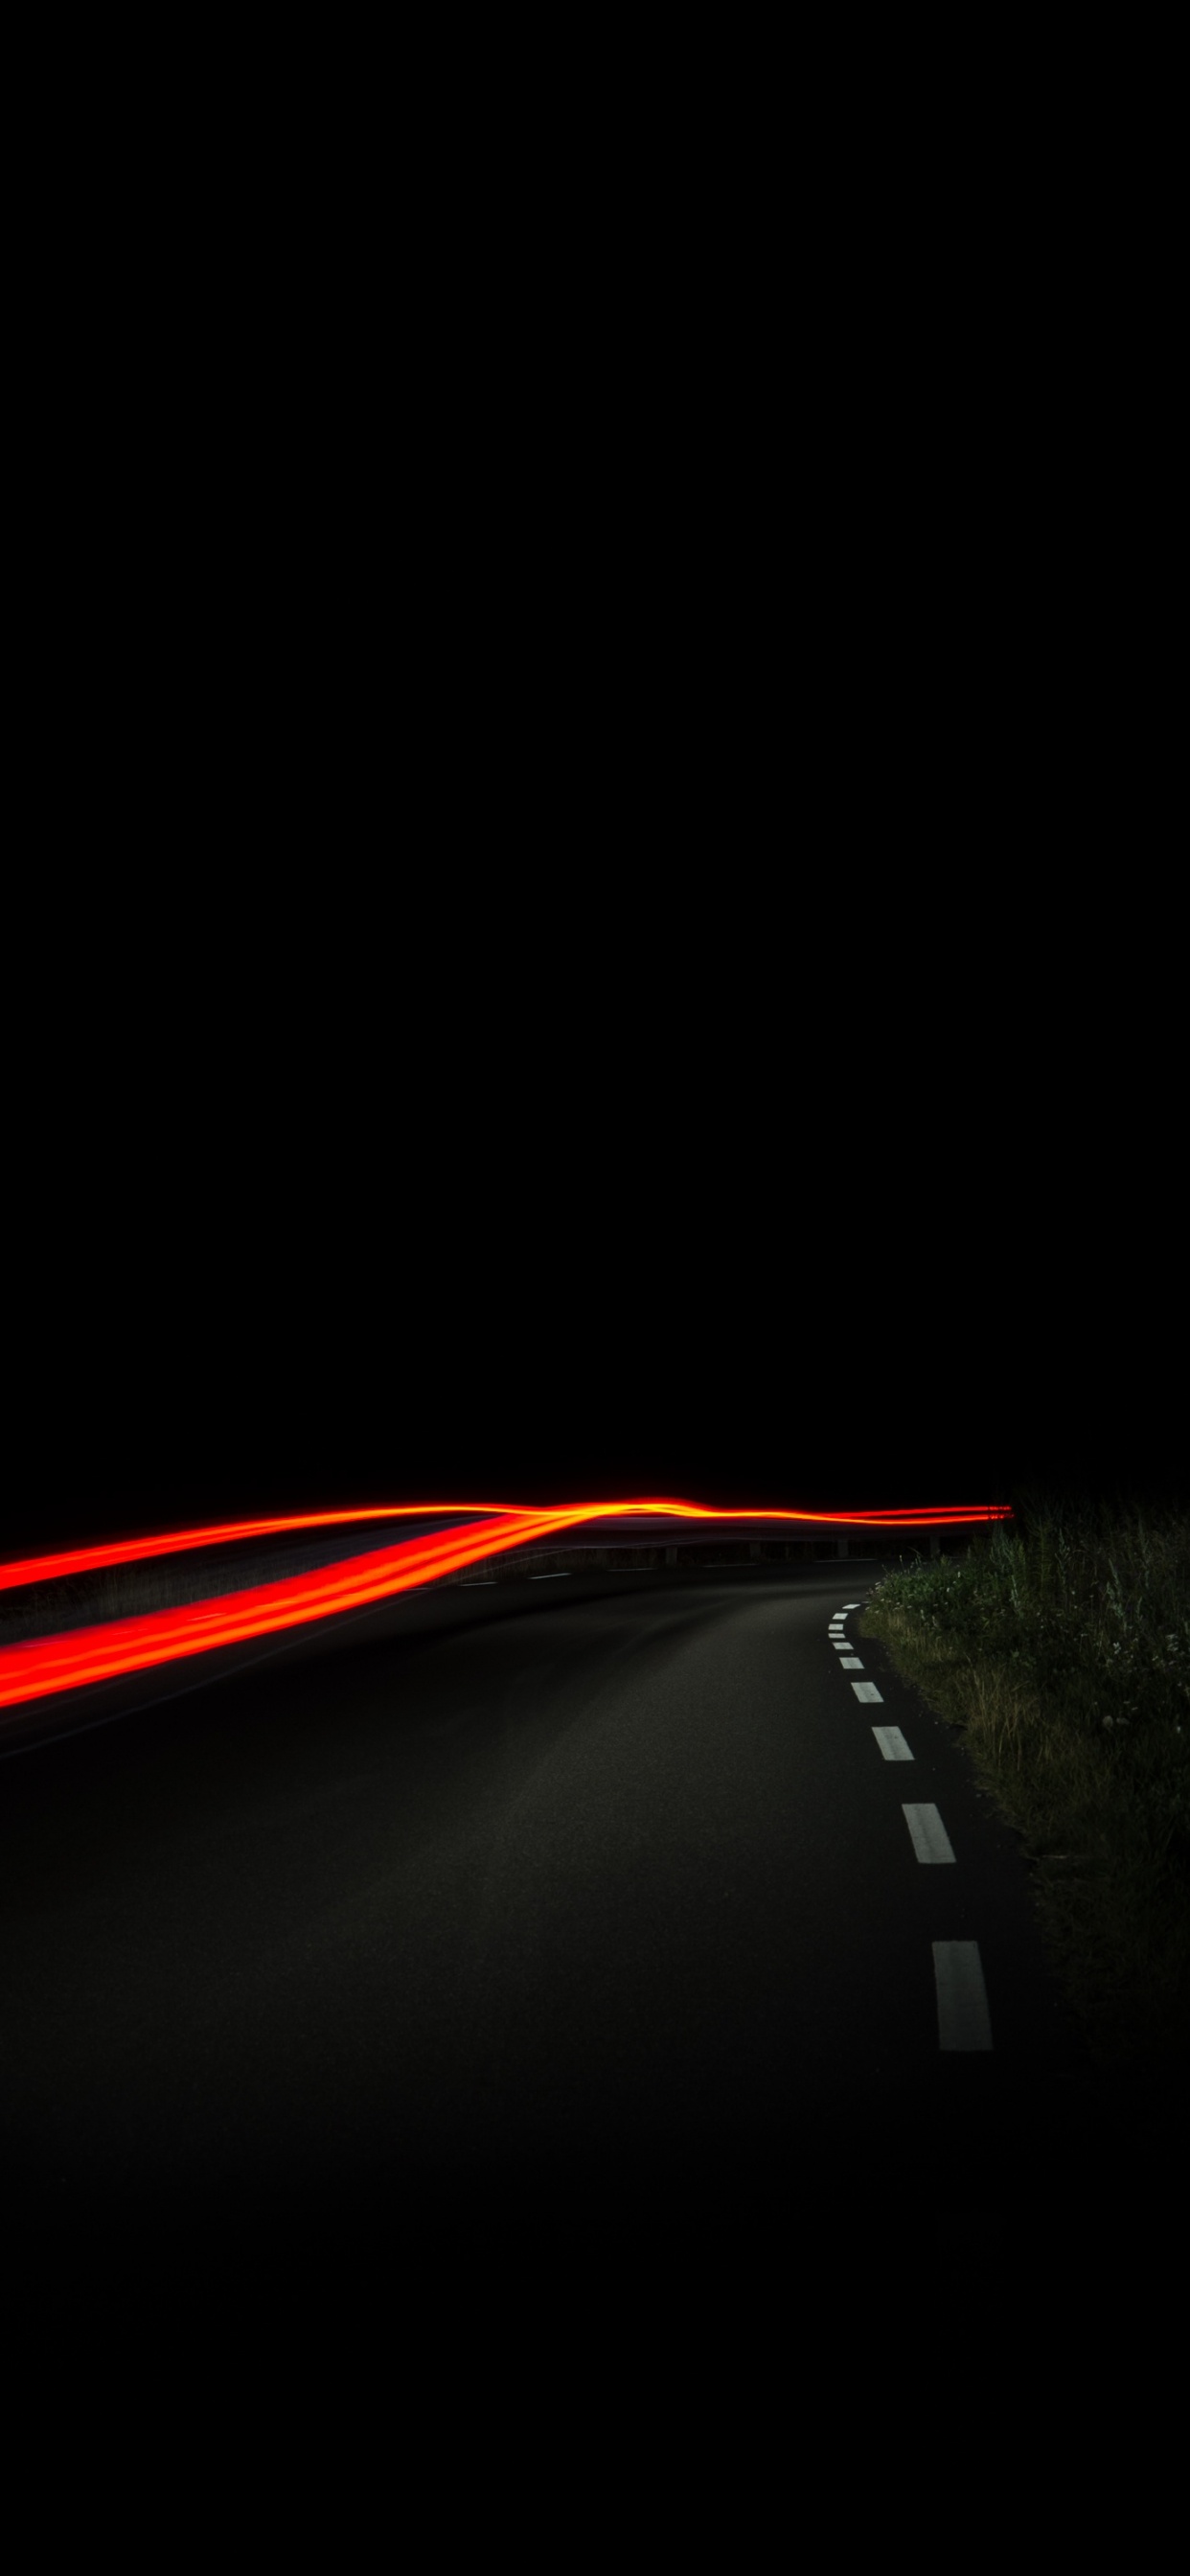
868, 1692
964, 2022
963, 2017
930, 1839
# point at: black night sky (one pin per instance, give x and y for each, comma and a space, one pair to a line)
587, 908
335, 1192
486, 1017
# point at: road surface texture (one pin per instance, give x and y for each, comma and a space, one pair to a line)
566, 1943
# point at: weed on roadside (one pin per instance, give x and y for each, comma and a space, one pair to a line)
1063, 1652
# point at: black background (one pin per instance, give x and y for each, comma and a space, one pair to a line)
709, 1173
591, 909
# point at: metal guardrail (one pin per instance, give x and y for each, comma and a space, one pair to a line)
590, 1554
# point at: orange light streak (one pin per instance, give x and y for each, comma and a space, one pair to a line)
129, 1551
44, 1665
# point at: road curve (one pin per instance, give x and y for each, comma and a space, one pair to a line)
559, 1929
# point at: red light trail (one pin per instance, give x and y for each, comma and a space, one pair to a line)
44, 1665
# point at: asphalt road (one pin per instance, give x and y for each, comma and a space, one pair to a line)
556, 1932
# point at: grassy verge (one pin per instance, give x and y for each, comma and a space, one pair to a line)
1062, 1649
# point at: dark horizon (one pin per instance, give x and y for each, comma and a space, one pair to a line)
162, 1387
293, 1373
248, 1294
149, 1488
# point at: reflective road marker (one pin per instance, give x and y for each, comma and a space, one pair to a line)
963, 2017
930, 1838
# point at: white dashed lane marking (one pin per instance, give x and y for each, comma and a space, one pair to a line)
868, 1692
850, 1664
930, 1838
963, 2017
892, 1744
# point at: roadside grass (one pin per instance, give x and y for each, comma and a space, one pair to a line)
1062, 1649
